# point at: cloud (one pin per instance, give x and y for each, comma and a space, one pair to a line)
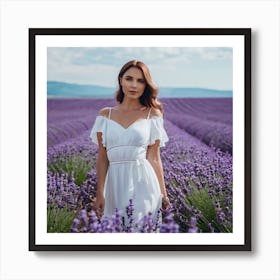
213, 53
88, 56
100, 66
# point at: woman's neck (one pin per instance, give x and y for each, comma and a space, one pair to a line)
131, 105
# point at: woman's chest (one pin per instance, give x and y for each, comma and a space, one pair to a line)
137, 133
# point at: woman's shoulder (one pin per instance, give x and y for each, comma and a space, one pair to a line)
104, 112
155, 112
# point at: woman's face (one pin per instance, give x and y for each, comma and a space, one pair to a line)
133, 83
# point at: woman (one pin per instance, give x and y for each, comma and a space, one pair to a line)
129, 137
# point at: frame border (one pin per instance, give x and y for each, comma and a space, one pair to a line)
246, 32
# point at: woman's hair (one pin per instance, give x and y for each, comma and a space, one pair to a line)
149, 96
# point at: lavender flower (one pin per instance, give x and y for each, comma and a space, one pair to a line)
192, 225
168, 225
129, 213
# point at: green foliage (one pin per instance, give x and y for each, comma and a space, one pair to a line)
59, 219
75, 165
201, 200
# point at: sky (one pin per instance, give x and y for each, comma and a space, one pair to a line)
205, 67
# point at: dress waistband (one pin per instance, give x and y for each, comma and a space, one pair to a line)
138, 161
125, 154
120, 146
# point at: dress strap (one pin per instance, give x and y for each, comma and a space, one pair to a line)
110, 113
149, 113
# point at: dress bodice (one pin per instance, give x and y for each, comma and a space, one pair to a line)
125, 144
128, 143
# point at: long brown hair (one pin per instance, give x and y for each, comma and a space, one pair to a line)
149, 96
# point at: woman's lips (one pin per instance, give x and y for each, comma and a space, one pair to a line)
133, 91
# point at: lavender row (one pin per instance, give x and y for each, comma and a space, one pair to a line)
211, 109
199, 182
211, 133
208, 119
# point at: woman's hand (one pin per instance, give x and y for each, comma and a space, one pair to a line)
99, 205
165, 203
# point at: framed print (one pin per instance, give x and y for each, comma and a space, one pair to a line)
140, 139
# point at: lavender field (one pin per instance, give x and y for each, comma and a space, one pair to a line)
197, 163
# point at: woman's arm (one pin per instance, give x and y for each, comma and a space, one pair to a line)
102, 164
102, 167
153, 156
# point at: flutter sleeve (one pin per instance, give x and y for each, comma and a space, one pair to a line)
158, 131
99, 126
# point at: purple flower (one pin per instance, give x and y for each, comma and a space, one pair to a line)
192, 225
168, 225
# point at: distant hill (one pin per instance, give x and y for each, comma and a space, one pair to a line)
193, 92
68, 90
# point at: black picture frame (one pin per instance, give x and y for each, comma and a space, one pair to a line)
35, 33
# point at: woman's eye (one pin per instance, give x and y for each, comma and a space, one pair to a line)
130, 79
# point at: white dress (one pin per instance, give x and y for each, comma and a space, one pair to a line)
130, 175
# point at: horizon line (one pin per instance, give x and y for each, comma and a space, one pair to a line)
110, 87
